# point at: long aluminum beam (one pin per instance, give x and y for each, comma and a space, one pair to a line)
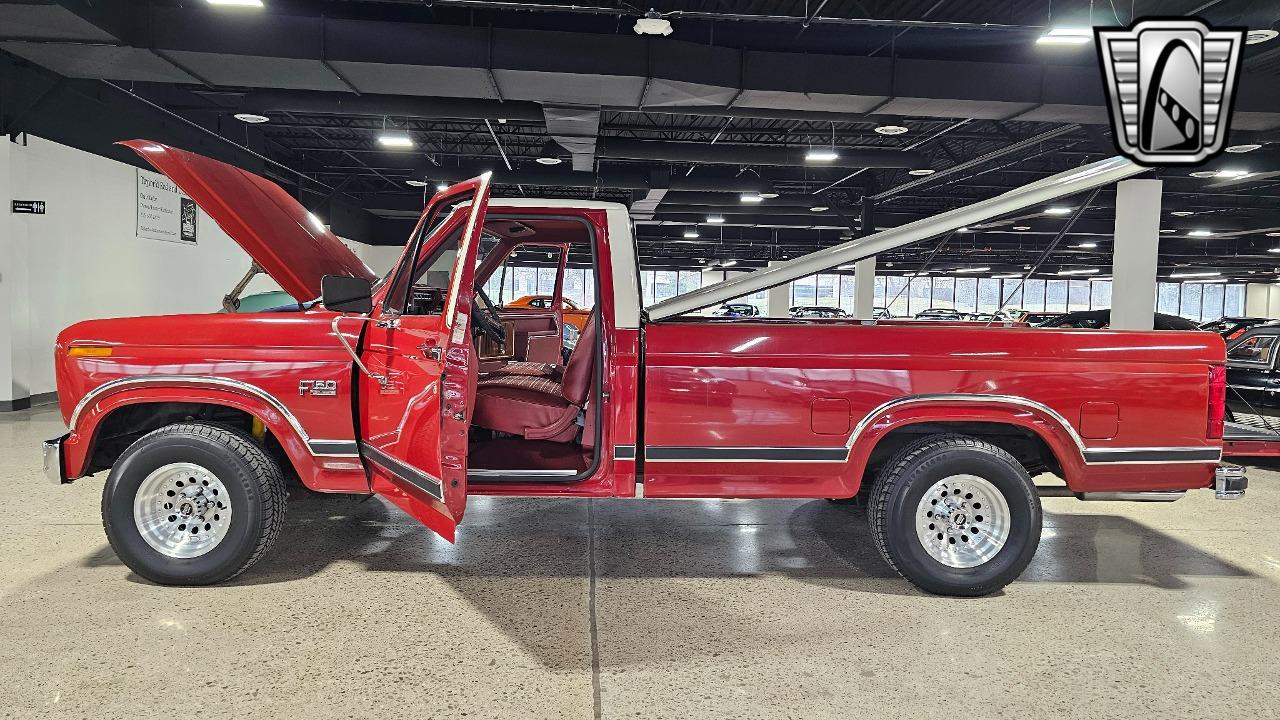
1103, 172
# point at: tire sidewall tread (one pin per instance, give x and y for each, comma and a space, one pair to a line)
255, 488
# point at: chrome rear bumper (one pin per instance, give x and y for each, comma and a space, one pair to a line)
53, 467
1229, 482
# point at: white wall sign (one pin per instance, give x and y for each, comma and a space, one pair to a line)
164, 212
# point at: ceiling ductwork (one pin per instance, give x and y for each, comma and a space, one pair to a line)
432, 108
625, 149
575, 129
580, 69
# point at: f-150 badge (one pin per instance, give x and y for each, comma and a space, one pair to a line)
1170, 85
318, 388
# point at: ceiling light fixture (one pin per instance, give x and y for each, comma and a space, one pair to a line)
963, 229
1182, 213
768, 195
550, 153
1200, 233
750, 198
1021, 227
1204, 174
416, 183
1079, 271
441, 187
691, 233
236, 3
1007, 276
972, 269
1247, 147
653, 24
921, 172
1253, 37
821, 155
1167, 231
1065, 36
728, 263
1057, 210
1273, 234
1234, 174
819, 208
395, 141
1194, 274
1088, 245
891, 129
251, 118
715, 219
1273, 250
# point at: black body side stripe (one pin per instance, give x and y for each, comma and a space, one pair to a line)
1153, 455
624, 452
409, 474
747, 454
333, 447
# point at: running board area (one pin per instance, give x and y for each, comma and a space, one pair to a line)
1157, 496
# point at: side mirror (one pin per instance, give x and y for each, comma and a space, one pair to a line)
346, 294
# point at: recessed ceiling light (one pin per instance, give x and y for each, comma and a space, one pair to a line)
750, 198
1065, 36
691, 234
819, 208
891, 129
1247, 147
1194, 274
921, 172
1021, 227
972, 269
1087, 245
416, 183
821, 155
1166, 232
1204, 174
1182, 213
242, 3
251, 118
1200, 233
1253, 37
1057, 210
1080, 271
395, 141
548, 161
716, 219
768, 195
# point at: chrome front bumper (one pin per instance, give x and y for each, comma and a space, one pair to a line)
1229, 482
53, 467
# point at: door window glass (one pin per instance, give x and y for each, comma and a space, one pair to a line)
1256, 349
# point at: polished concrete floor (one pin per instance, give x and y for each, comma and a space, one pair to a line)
660, 609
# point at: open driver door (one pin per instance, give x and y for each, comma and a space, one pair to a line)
415, 404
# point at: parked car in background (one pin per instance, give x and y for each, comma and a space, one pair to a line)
939, 314
881, 313
1037, 318
818, 311
988, 317
1231, 328
1253, 384
1101, 320
736, 310
569, 310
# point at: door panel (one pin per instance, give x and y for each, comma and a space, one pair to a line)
414, 417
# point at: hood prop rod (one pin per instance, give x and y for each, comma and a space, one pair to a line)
231, 301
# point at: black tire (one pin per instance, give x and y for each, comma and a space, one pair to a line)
255, 487
911, 473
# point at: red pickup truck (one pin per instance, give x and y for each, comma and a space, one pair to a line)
418, 388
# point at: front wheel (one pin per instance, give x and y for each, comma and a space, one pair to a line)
193, 504
955, 515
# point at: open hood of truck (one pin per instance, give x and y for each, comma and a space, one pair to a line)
288, 243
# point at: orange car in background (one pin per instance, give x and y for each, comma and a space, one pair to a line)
571, 313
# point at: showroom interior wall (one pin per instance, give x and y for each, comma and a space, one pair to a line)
83, 259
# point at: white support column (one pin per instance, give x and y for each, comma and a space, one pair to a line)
779, 298
864, 288
1137, 245
1257, 300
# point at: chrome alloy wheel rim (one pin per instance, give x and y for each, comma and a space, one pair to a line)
182, 510
963, 521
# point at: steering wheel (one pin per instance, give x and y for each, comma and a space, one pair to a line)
485, 319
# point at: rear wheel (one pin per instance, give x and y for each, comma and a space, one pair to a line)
955, 515
193, 504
